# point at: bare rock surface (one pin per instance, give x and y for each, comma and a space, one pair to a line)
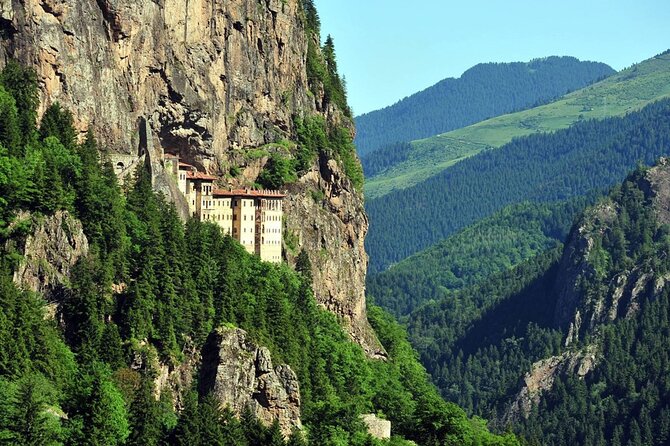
326, 217
241, 375
542, 376
50, 250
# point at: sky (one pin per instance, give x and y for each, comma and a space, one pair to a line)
390, 49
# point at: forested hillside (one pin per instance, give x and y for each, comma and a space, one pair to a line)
545, 167
483, 91
492, 245
479, 342
619, 94
148, 295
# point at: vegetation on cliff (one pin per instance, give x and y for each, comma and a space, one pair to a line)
479, 342
151, 290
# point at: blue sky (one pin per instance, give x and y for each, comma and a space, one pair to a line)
389, 49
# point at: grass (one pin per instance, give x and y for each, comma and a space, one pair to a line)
629, 90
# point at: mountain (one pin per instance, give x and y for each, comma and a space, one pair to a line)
484, 249
127, 320
574, 342
483, 91
227, 87
629, 90
590, 155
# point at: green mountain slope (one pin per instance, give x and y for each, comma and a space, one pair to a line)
629, 90
590, 155
483, 91
492, 245
595, 314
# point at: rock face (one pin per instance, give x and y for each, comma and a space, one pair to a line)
542, 376
240, 375
209, 80
581, 316
325, 214
571, 305
52, 248
209, 75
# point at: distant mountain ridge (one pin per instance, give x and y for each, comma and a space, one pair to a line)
483, 91
626, 91
543, 167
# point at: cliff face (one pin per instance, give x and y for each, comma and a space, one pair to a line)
211, 79
49, 251
240, 374
581, 315
209, 76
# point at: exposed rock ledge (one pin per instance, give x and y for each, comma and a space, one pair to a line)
49, 252
542, 376
240, 375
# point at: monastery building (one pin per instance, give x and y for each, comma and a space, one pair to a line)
252, 217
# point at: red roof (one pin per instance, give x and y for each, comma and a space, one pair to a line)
199, 176
171, 156
248, 193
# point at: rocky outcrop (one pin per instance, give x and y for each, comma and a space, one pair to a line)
542, 376
576, 266
209, 80
241, 376
581, 314
578, 313
51, 249
326, 217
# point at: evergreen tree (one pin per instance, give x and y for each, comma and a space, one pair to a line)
28, 415
58, 122
188, 430
10, 132
21, 83
144, 416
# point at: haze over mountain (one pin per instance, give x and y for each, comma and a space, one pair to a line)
483, 91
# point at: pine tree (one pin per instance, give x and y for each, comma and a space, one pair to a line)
21, 83
30, 417
144, 416
10, 136
274, 435
188, 429
57, 121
